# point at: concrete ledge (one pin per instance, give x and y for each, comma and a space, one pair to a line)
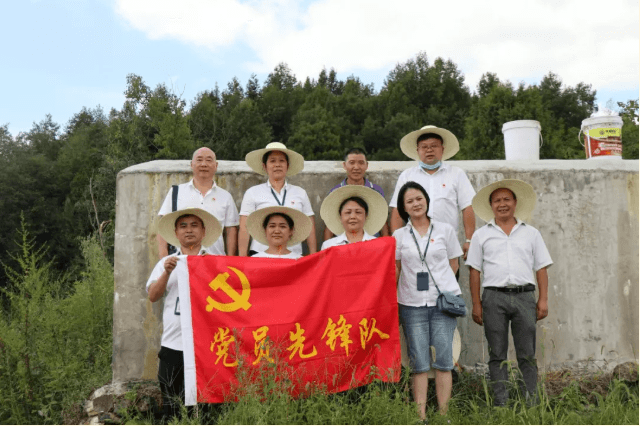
587, 212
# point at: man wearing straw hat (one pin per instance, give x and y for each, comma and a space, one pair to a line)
203, 192
190, 231
507, 251
448, 186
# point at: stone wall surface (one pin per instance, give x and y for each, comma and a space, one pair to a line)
587, 212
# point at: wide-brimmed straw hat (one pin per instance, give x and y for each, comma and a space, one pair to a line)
167, 226
409, 143
301, 224
376, 217
525, 199
254, 159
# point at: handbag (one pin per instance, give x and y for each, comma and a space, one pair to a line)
451, 304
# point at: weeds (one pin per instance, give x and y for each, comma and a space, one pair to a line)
53, 349
389, 403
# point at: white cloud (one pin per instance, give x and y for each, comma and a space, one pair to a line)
580, 40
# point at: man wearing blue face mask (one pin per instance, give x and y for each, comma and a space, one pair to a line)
448, 186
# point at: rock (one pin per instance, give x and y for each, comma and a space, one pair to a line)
103, 403
109, 419
627, 372
117, 388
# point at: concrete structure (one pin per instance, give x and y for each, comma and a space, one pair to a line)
587, 212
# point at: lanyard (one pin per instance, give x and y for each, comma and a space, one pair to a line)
276, 197
423, 257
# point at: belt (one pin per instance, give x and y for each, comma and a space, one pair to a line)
514, 289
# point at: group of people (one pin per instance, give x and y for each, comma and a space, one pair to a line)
276, 217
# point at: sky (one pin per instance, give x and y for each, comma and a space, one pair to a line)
62, 55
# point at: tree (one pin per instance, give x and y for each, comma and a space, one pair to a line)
229, 124
630, 138
282, 95
559, 110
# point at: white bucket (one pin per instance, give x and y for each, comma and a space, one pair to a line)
522, 140
602, 137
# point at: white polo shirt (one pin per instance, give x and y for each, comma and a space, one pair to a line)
507, 259
216, 201
342, 239
443, 246
449, 191
261, 196
291, 255
171, 331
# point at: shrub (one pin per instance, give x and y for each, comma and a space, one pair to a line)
53, 349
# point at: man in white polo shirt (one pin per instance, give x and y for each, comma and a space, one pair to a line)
202, 192
507, 251
448, 186
190, 231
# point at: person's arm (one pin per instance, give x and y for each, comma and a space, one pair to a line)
327, 234
162, 246
243, 237
231, 234
396, 221
542, 308
159, 286
474, 286
469, 222
385, 230
454, 265
311, 239
398, 266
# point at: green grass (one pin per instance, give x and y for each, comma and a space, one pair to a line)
389, 403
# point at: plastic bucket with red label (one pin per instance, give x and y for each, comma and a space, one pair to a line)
602, 137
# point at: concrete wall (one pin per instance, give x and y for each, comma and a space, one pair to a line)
587, 213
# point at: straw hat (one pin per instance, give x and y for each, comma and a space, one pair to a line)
254, 159
167, 226
409, 143
301, 224
525, 197
376, 217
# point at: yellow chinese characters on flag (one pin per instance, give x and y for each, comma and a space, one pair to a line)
332, 317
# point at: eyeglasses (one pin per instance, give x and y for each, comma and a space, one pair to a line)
429, 147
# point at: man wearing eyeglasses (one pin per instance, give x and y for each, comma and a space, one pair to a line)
448, 186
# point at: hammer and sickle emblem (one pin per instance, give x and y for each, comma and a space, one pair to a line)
240, 300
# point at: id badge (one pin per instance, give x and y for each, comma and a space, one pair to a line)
423, 281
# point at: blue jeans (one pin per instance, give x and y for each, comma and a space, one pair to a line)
424, 327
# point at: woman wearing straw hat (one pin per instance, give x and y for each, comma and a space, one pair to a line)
276, 162
278, 228
354, 213
508, 251
426, 262
190, 231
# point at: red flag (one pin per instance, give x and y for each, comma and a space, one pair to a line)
328, 319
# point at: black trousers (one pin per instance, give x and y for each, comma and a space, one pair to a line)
171, 378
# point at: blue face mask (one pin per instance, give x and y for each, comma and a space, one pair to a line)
430, 166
